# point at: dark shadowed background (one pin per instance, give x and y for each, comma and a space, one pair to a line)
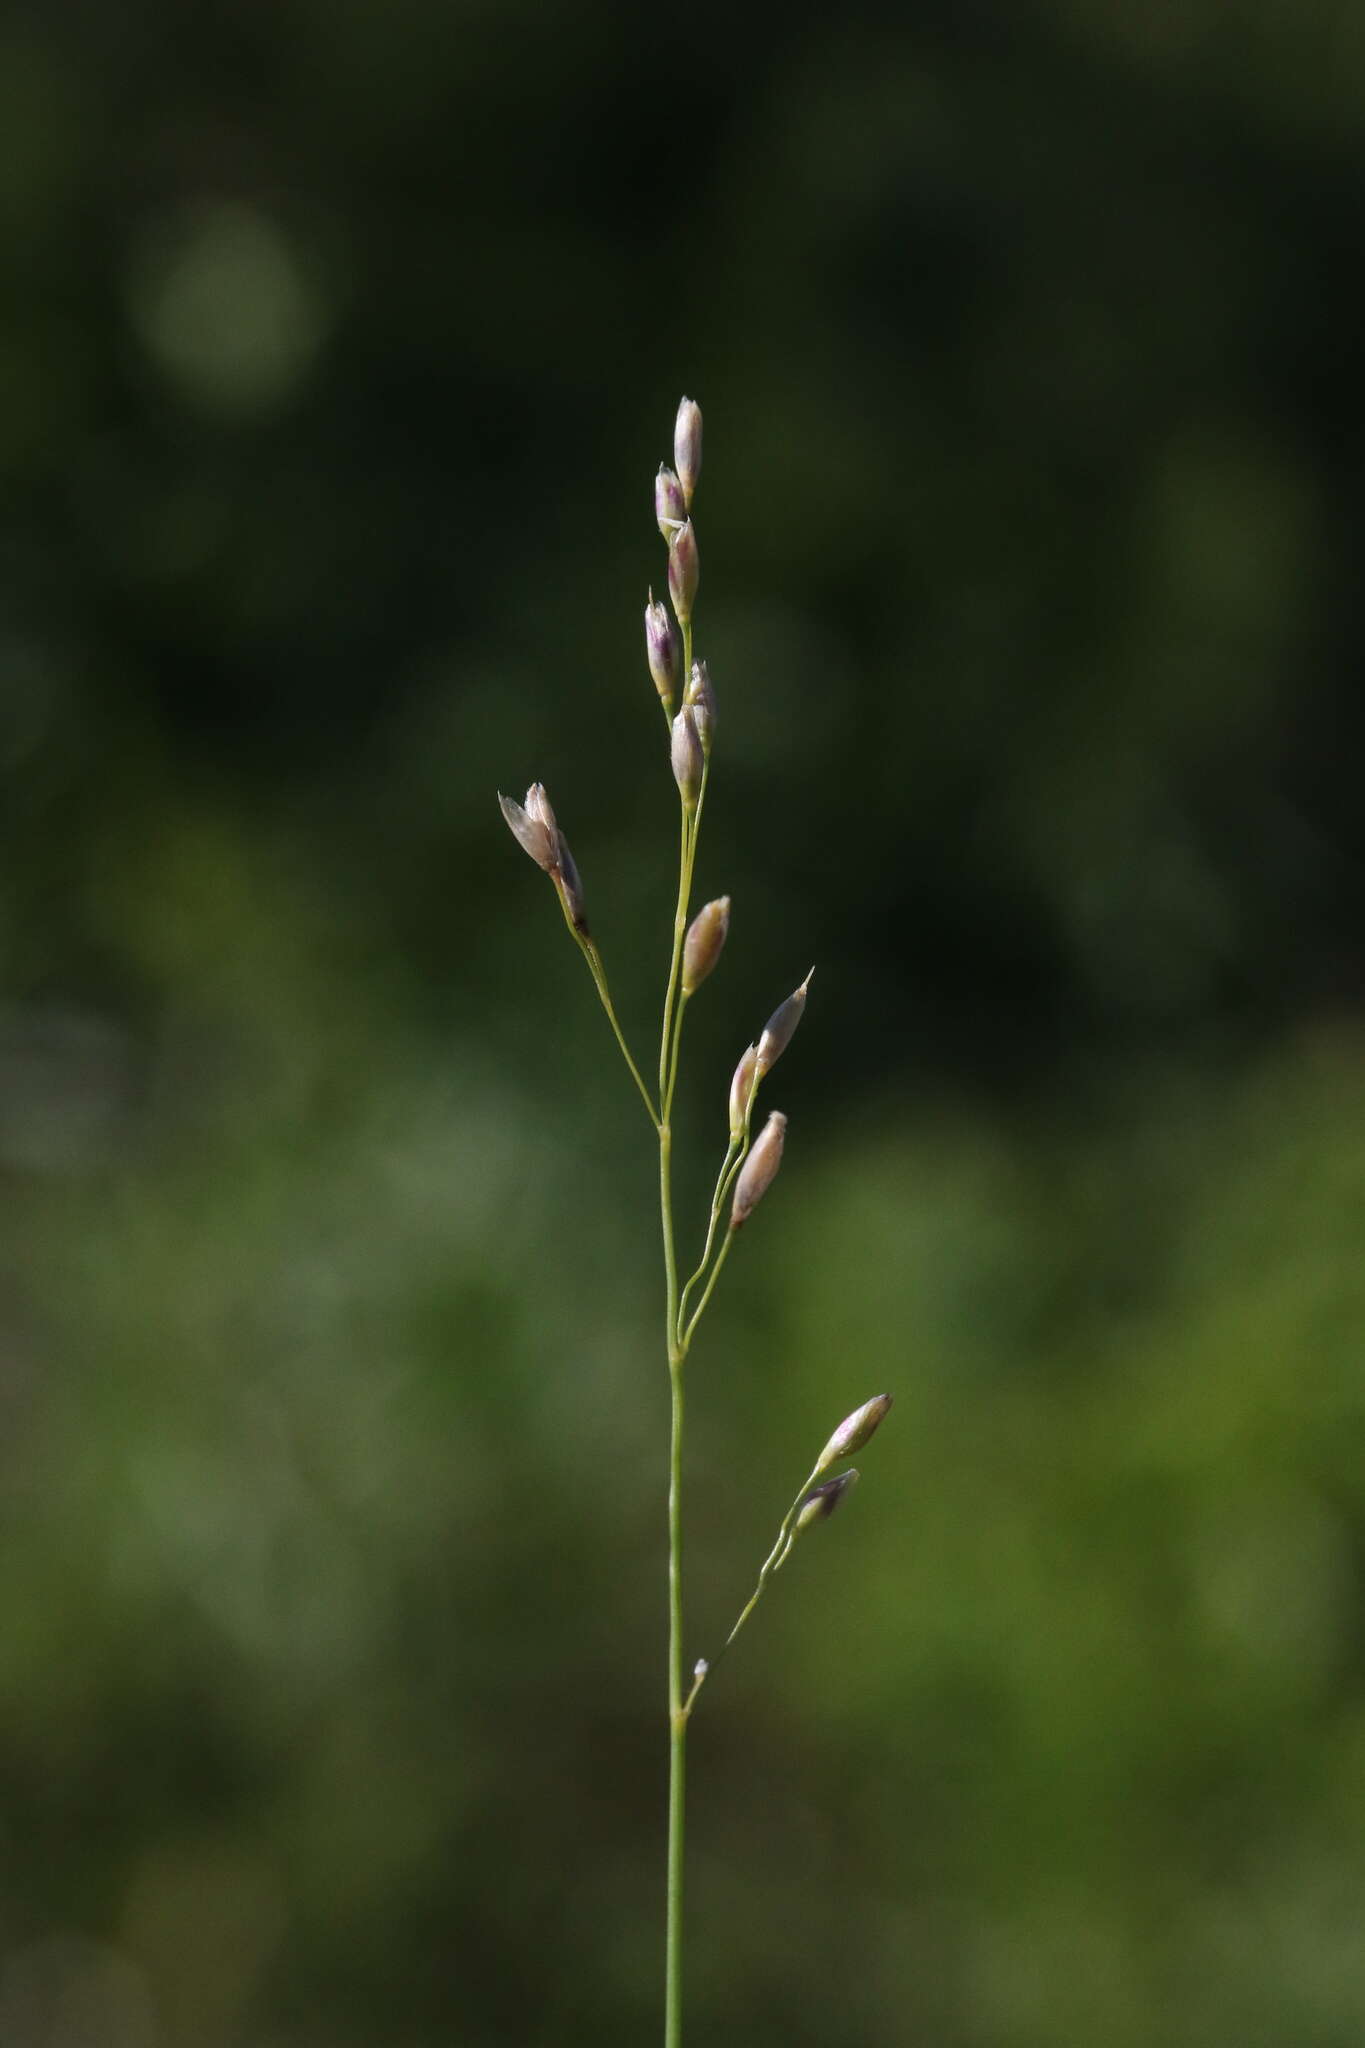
339, 345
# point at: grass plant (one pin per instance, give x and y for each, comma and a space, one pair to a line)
750, 1163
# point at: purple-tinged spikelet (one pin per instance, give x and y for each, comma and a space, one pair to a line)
684, 571
670, 507
687, 446
854, 1431
529, 827
536, 829
777, 1032
705, 942
663, 651
822, 1500
742, 1086
702, 698
759, 1170
569, 884
687, 757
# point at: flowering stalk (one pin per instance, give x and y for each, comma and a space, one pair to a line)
750, 1164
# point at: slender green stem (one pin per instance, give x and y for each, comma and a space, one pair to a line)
677, 1730
670, 1040
771, 1563
733, 1175
677, 1720
736, 1153
700, 1310
678, 1015
676, 1000
675, 961
717, 1202
599, 976
773, 1559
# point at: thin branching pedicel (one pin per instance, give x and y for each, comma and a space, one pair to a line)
749, 1166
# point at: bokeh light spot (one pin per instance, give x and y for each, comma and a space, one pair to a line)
226, 306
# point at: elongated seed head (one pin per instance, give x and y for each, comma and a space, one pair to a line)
778, 1030
822, 1500
741, 1089
687, 757
759, 1170
687, 446
854, 1431
704, 943
702, 697
670, 507
663, 651
684, 571
530, 832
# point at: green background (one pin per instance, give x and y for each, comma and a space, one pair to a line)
338, 346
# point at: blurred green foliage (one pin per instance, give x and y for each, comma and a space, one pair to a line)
339, 347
